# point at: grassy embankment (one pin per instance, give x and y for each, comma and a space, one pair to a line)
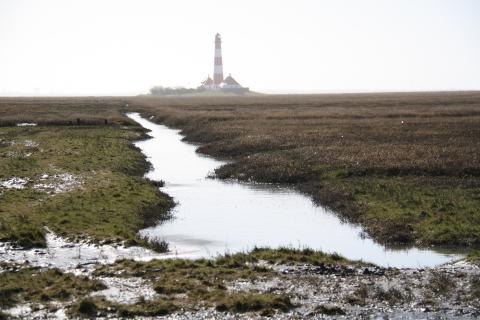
100, 194
405, 166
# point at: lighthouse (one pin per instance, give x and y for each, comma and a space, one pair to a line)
219, 83
218, 64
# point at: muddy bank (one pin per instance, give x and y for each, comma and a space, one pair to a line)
66, 255
449, 291
320, 290
80, 258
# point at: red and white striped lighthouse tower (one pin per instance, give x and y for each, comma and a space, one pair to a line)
218, 65
219, 83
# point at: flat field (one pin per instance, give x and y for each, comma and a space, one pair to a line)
406, 166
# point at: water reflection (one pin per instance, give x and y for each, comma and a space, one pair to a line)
214, 217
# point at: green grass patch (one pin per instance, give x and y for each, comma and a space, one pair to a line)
43, 286
474, 257
201, 278
152, 308
292, 256
398, 210
329, 310
250, 302
95, 306
107, 200
421, 210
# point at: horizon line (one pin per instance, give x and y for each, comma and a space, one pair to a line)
266, 92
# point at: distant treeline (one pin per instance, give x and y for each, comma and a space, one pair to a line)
165, 91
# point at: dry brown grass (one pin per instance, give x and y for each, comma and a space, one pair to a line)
62, 111
404, 165
436, 133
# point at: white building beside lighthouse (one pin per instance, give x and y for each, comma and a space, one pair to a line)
218, 83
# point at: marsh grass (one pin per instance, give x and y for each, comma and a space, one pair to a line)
411, 209
391, 295
152, 308
329, 310
99, 306
474, 257
441, 284
403, 164
156, 244
63, 111
253, 302
359, 296
87, 307
188, 283
43, 286
475, 288
110, 202
285, 255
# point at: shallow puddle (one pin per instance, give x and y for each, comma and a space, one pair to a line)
68, 255
214, 217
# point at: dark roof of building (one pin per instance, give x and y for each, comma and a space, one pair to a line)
207, 82
230, 81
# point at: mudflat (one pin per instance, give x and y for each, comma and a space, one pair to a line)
405, 166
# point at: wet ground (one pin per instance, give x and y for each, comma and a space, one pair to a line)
69, 255
430, 285
216, 217
451, 291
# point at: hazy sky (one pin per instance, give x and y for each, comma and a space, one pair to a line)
125, 47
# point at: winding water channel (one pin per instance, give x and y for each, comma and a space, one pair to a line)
214, 217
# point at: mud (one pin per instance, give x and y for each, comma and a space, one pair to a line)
126, 290
77, 256
26, 124
322, 292
442, 292
58, 183
14, 183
